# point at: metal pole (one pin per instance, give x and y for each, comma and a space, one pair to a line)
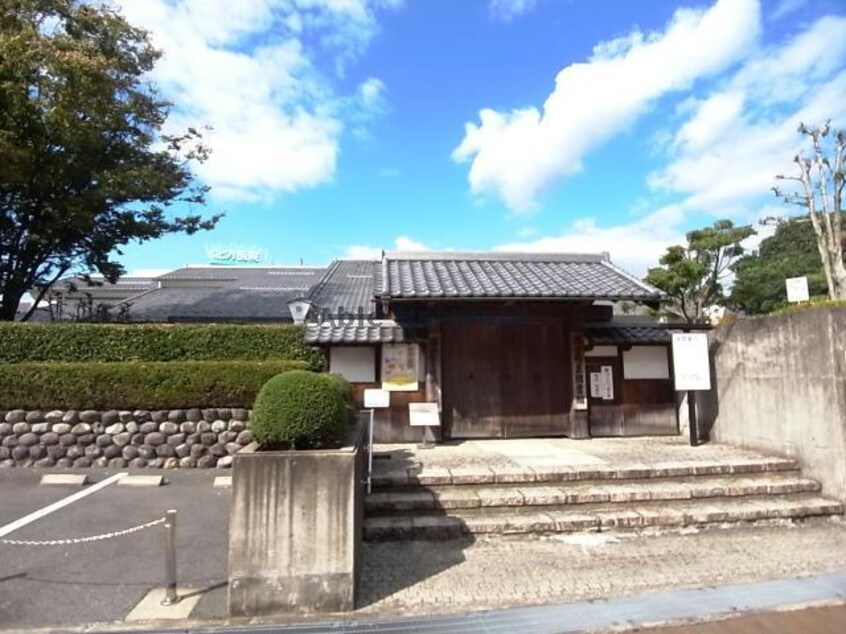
693, 423
170, 597
370, 455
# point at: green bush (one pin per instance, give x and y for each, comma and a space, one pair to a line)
136, 385
21, 343
300, 410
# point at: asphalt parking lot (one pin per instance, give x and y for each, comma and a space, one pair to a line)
104, 580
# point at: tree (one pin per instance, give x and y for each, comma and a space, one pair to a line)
84, 166
822, 177
790, 252
692, 276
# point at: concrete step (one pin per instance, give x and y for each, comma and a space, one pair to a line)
597, 517
388, 477
541, 494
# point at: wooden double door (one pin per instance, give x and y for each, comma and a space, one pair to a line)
506, 380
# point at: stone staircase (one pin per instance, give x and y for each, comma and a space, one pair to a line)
443, 503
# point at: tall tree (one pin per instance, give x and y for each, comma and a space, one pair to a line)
822, 177
84, 166
790, 252
692, 275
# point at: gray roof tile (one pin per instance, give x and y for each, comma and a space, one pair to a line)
347, 287
381, 331
508, 275
612, 334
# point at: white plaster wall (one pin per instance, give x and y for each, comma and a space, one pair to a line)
357, 364
646, 362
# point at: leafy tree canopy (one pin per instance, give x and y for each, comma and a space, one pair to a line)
84, 166
790, 252
692, 275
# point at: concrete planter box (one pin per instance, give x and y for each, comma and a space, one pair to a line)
295, 529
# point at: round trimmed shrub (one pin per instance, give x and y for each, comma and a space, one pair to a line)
300, 410
345, 390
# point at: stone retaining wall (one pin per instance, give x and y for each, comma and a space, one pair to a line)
177, 438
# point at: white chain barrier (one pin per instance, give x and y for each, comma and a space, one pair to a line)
82, 540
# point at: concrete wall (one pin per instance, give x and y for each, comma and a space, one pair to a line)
295, 529
781, 387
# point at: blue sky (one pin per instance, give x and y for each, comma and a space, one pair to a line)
341, 127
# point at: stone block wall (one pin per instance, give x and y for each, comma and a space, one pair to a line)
177, 438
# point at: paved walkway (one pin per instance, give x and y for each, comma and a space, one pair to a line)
451, 576
544, 453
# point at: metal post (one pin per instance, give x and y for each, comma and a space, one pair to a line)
693, 422
370, 455
170, 597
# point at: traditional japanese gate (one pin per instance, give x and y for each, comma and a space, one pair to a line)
506, 380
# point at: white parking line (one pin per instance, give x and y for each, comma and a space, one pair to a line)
9, 528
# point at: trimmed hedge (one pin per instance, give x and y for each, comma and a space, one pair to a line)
21, 343
300, 410
137, 385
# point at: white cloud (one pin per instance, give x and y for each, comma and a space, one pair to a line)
249, 69
507, 10
515, 155
367, 252
786, 8
725, 156
634, 246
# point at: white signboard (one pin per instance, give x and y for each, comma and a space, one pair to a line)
424, 415
691, 364
602, 383
376, 399
797, 289
607, 383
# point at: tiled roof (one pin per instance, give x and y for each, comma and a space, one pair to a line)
603, 335
347, 287
300, 278
224, 293
508, 275
372, 331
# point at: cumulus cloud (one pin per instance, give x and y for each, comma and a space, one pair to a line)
635, 246
367, 252
250, 71
507, 10
515, 155
733, 142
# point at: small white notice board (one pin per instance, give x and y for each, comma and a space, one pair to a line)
691, 363
602, 383
376, 399
797, 289
424, 415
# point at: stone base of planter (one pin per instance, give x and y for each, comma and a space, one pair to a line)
295, 529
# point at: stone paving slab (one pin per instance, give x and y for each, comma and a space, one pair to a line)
672, 452
495, 572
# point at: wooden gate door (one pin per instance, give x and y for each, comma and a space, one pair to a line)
506, 380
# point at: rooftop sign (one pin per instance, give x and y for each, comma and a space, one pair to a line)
236, 254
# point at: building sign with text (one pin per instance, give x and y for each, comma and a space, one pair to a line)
236, 254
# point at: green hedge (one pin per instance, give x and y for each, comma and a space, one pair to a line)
137, 385
301, 410
21, 343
